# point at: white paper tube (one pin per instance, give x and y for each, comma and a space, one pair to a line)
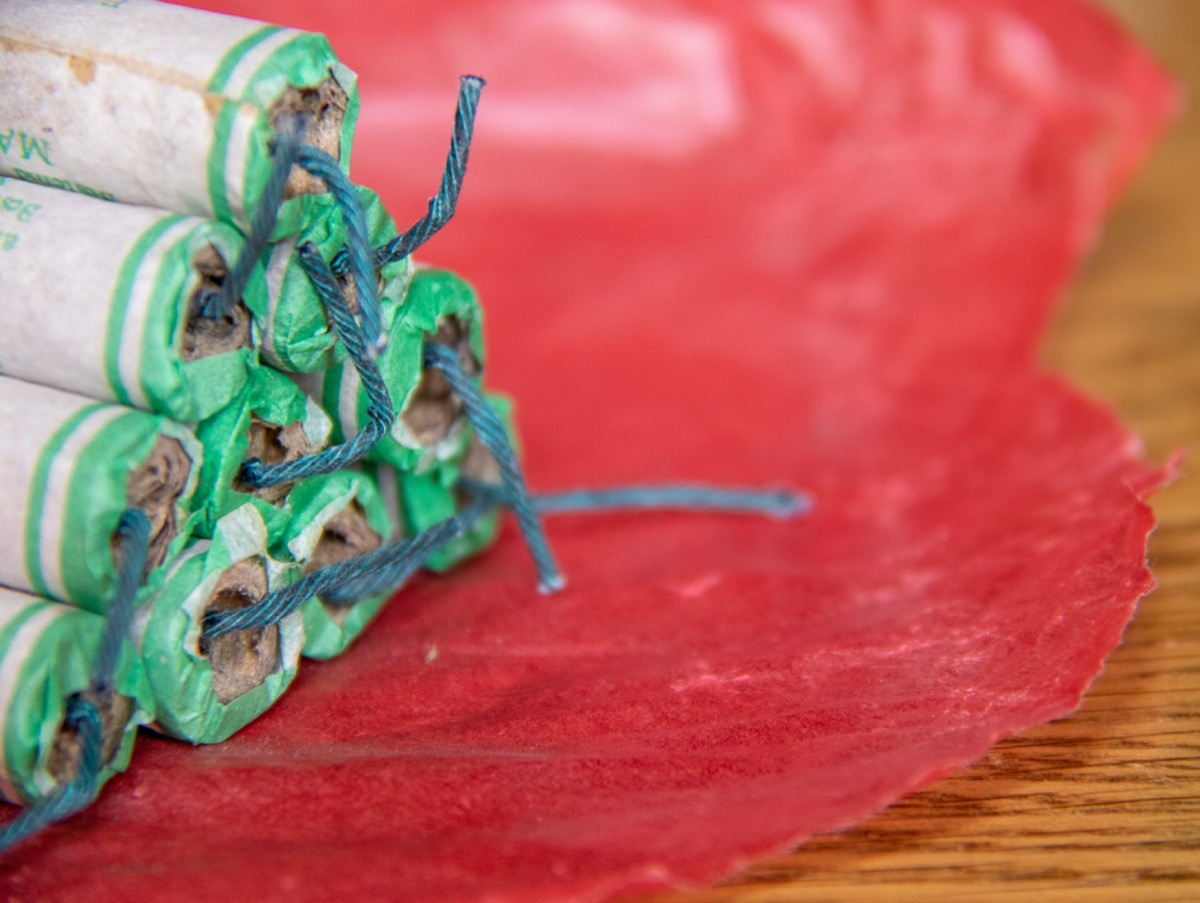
205, 690
101, 299
68, 468
152, 103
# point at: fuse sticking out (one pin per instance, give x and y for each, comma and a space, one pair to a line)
424, 499
273, 443
115, 712
438, 307
297, 335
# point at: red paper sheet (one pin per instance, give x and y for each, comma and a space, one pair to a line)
810, 243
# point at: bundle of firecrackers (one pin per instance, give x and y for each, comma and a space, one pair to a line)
137, 141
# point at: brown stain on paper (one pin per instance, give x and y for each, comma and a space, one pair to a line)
213, 103
83, 68
27, 42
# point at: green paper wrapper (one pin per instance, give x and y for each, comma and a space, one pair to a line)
334, 517
47, 651
155, 104
204, 691
429, 497
428, 428
297, 335
70, 467
270, 419
100, 300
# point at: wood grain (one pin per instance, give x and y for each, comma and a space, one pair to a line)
1104, 805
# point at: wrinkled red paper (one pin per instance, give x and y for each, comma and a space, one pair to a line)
810, 243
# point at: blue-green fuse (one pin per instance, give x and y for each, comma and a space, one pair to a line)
206, 689
430, 424
270, 420
47, 653
296, 333
426, 498
334, 517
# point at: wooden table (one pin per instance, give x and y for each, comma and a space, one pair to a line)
1104, 805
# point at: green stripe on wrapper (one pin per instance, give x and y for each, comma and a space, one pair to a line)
296, 334
204, 691
430, 497
166, 106
429, 425
71, 466
47, 651
132, 287
334, 517
300, 76
272, 420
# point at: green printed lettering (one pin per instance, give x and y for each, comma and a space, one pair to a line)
39, 146
49, 181
64, 184
27, 146
8, 240
21, 210
95, 192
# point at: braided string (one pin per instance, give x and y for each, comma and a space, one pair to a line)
346, 582
133, 533
380, 413
387, 568
358, 260
83, 717
358, 243
780, 503
419, 550
286, 149
491, 432
443, 204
